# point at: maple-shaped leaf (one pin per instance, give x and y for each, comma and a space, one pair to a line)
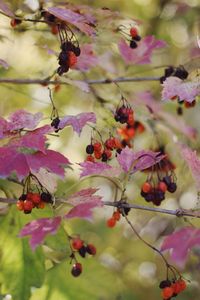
186, 91
39, 229
5, 9
22, 119
142, 54
34, 139
13, 161
87, 58
76, 19
78, 121
4, 64
98, 168
193, 162
180, 243
83, 202
131, 161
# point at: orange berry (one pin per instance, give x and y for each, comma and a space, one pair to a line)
146, 188
130, 132
20, 205
162, 186
111, 222
72, 59
41, 205
116, 215
133, 32
167, 293
182, 284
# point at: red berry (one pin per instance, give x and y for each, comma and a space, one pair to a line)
146, 188
41, 205
20, 205
182, 284
76, 269
35, 198
90, 158
77, 243
15, 22
97, 154
91, 249
28, 206
133, 32
111, 222
162, 186
110, 143
97, 146
167, 293
54, 29
72, 59
116, 215
108, 153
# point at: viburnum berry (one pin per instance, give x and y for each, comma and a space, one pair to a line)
82, 251
172, 187
110, 143
116, 215
76, 269
133, 32
20, 205
182, 284
111, 222
97, 154
146, 187
41, 205
72, 59
104, 157
23, 197
54, 29
108, 153
15, 22
167, 293
36, 199
162, 186
28, 206
46, 197
165, 283
90, 149
91, 249
90, 158
97, 146
77, 243
55, 122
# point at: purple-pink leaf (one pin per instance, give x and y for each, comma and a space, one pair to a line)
131, 161
4, 64
180, 243
83, 201
98, 168
74, 18
34, 139
78, 121
142, 54
4, 8
193, 162
87, 59
22, 164
39, 229
186, 91
22, 119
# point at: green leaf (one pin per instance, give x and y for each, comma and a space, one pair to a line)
21, 268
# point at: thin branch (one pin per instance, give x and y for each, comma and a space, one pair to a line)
8, 200
90, 82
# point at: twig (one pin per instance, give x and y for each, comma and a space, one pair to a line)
90, 82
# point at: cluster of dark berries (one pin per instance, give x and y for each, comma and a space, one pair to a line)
31, 200
155, 193
179, 72
55, 123
111, 222
82, 248
172, 288
135, 37
68, 56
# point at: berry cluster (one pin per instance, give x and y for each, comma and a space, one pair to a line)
155, 193
172, 288
68, 56
82, 248
30, 198
179, 72
55, 123
111, 222
135, 37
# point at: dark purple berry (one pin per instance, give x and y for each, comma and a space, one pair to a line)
104, 157
167, 180
76, 269
137, 38
22, 197
82, 251
90, 149
162, 79
169, 71
55, 122
165, 283
77, 51
133, 44
46, 197
172, 187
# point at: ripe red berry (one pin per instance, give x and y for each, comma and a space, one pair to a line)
108, 153
133, 32
54, 29
182, 284
90, 158
41, 205
111, 222
35, 198
167, 292
110, 143
72, 59
77, 243
146, 188
76, 269
28, 206
116, 215
162, 186
97, 154
20, 205
91, 249
15, 22
97, 146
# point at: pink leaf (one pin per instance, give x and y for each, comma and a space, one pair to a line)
39, 229
23, 163
34, 139
186, 91
87, 59
4, 64
193, 162
100, 168
4, 8
78, 20
83, 201
23, 119
142, 54
78, 121
181, 242
138, 161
